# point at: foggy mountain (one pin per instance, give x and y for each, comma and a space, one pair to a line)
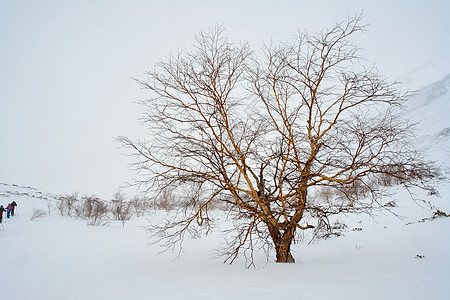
430, 106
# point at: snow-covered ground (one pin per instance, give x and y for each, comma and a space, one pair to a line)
379, 257
57, 257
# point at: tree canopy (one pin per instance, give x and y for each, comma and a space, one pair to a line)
281, 138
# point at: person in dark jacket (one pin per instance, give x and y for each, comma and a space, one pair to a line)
13, 204
8, 210
2, 210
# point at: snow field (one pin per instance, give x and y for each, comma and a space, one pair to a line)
56, 257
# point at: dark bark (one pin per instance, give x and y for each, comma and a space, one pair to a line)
283, 250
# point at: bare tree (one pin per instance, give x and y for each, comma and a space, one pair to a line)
285, 139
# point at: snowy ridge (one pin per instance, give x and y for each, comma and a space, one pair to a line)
15, 191
436, 91
429, 72
430, 106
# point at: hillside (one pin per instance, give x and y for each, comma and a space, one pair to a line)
378, 257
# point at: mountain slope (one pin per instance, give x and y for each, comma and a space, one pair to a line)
430, 106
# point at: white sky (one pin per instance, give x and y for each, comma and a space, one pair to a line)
66, 66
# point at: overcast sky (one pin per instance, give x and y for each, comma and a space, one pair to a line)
66, 69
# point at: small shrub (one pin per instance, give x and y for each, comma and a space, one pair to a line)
37, 213
391, 204
94, 210
120, 209
140, 205
437, 214
440, 214
165, 201
67, 204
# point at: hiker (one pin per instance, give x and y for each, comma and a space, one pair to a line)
13, 204
1, 213
8, 210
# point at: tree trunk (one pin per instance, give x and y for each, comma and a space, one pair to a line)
282, 243
284, 253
